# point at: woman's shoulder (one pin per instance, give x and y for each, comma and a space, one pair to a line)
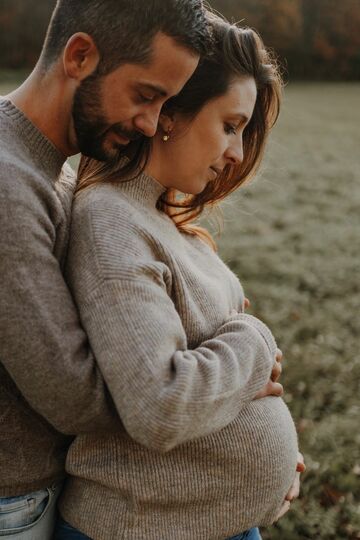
101, 196
106, 205
105, 218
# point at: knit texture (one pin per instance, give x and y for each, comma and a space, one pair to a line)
48, 379
198, 458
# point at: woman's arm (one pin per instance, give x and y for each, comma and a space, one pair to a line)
165, 393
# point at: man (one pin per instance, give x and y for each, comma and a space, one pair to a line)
106, 68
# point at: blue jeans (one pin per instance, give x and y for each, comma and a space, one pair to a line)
64, 531
252, 534
29, 517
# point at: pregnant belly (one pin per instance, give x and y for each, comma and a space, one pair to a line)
239, 475
250, 463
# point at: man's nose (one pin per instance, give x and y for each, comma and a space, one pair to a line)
147, 122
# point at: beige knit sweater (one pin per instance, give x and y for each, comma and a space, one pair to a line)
49, 382
198, 457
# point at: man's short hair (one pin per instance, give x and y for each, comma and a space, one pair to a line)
123, 30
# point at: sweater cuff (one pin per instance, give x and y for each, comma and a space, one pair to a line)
260, 327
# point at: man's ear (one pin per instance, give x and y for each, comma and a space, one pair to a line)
80, 56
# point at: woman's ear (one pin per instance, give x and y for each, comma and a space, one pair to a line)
166, 123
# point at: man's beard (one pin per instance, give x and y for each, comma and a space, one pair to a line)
91, 127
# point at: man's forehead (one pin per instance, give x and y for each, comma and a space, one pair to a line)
164, 75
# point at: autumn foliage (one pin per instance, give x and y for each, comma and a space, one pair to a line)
313, 38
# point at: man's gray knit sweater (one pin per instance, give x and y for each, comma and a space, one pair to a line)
199, 458
48, 378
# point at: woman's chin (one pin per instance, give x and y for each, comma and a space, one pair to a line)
191, 188
196, 189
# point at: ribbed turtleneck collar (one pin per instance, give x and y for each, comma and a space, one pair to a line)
144, 189
45, 155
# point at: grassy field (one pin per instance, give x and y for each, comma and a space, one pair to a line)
293, 238
10, 79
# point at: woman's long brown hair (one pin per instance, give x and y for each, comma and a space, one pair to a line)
235, 53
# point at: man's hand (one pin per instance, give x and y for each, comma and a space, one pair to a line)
272, 387
294, 491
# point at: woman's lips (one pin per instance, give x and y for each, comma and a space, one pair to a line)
215, 172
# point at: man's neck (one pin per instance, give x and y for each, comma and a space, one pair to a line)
47, 103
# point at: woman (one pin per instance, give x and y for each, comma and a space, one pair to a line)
203, 455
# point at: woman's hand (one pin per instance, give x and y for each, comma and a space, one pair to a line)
245, 305
273, 387
277, 367
294, 491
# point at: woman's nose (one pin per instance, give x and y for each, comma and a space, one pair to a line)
235, 154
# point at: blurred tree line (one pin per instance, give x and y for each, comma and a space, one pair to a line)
314, 38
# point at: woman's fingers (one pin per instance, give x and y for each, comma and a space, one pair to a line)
270, 389
294, 491
246, 305
301, 467
275, 389
277, 367
285, 508
276, 371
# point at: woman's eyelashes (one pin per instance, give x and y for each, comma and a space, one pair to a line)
230, 129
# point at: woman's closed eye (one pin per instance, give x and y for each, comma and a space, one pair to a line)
230, 129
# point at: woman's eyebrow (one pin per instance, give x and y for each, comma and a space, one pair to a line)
241, 116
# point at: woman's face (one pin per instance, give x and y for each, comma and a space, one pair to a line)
198, 150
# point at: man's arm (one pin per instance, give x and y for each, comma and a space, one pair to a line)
43, 346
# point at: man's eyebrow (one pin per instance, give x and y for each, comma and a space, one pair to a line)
154, 88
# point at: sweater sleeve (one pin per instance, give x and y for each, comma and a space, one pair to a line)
165, 393
43, 347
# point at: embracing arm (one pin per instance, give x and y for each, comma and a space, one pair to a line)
43, 347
